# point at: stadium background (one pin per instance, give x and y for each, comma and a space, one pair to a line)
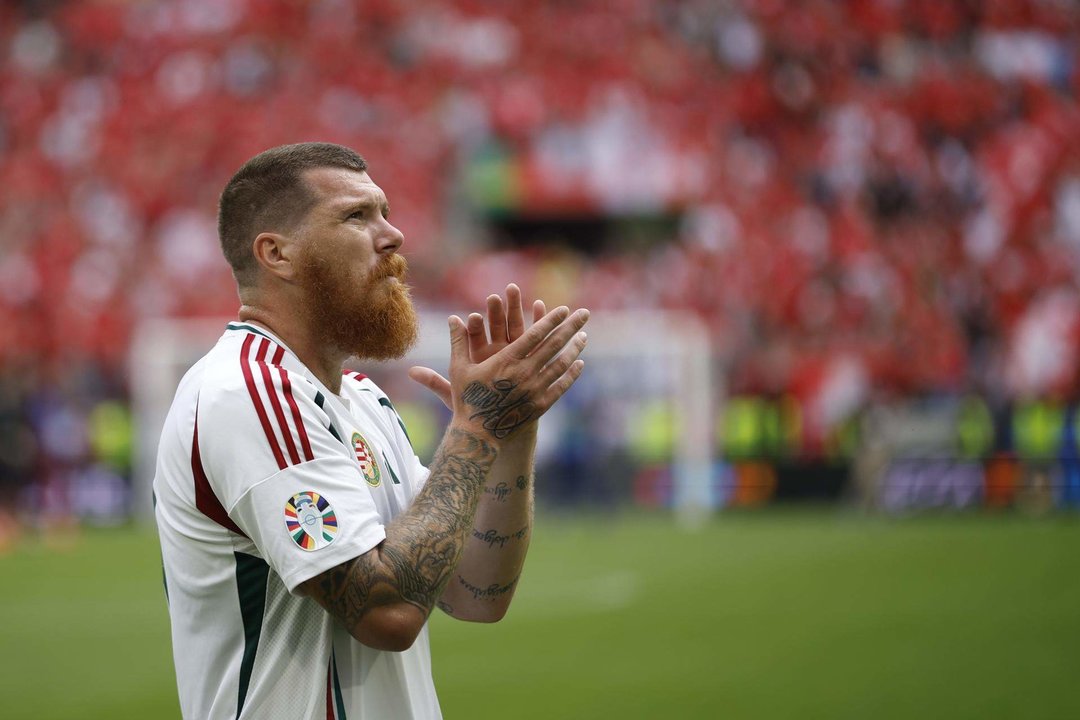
871, 206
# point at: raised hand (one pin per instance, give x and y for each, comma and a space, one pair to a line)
506, 322
519, 379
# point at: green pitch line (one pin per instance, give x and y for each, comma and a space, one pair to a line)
772, 615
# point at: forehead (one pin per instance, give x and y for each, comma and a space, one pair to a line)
337, 188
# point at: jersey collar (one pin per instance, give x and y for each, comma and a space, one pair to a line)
237, 326
244, 327
257, 329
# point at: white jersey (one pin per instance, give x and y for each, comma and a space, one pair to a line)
265, 479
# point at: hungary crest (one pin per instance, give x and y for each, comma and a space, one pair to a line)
310, 520
366, 458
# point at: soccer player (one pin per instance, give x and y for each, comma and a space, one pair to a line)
304, 544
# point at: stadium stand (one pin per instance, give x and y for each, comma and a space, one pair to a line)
874, 200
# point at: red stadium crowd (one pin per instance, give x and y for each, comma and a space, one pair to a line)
874, 197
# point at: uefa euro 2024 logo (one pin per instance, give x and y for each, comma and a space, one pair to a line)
310, 520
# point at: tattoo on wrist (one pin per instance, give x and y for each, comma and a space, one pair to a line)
501, 411
491, 592
521, 482
445, 607
493, 538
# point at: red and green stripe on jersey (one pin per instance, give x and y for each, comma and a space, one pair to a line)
206, 500
260, 360
335, 704
357, 376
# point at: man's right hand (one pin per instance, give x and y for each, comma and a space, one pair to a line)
518, 384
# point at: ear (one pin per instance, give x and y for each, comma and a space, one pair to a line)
275, 254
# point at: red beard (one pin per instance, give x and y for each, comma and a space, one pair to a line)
371, 318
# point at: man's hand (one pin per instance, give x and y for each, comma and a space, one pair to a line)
500, 384
507, 323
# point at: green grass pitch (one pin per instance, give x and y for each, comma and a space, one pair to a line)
767, 615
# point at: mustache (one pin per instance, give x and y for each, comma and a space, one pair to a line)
392, 265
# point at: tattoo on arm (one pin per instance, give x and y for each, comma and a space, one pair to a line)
500, 409
491, 592
423, 545
500, 492
493, 538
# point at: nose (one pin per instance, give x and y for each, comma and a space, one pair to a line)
390, 239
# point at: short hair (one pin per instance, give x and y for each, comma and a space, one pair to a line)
269, 194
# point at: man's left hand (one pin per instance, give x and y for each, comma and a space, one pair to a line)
506, 323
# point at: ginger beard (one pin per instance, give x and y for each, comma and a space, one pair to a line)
371, 318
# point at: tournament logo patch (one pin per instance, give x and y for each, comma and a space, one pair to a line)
310, 520
366, 458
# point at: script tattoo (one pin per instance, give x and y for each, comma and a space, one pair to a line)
423, 545
500, 491
521, 482
490, 592
493, 538
445, 607
501, 410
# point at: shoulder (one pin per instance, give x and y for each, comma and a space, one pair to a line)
246, 376
256, 412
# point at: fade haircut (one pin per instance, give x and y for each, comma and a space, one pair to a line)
269, 194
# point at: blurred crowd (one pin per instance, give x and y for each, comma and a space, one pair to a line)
875, 199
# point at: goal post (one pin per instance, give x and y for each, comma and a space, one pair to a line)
648, 393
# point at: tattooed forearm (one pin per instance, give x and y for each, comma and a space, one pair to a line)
492, 591
493, 538
347, 589
423, 545
501, 410
426, 545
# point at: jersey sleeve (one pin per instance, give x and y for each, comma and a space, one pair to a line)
271, 456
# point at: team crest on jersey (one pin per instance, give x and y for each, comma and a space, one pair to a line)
310, 520
366, 458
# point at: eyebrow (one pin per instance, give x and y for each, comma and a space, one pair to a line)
367, 201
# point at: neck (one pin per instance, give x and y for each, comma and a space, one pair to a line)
325, 363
